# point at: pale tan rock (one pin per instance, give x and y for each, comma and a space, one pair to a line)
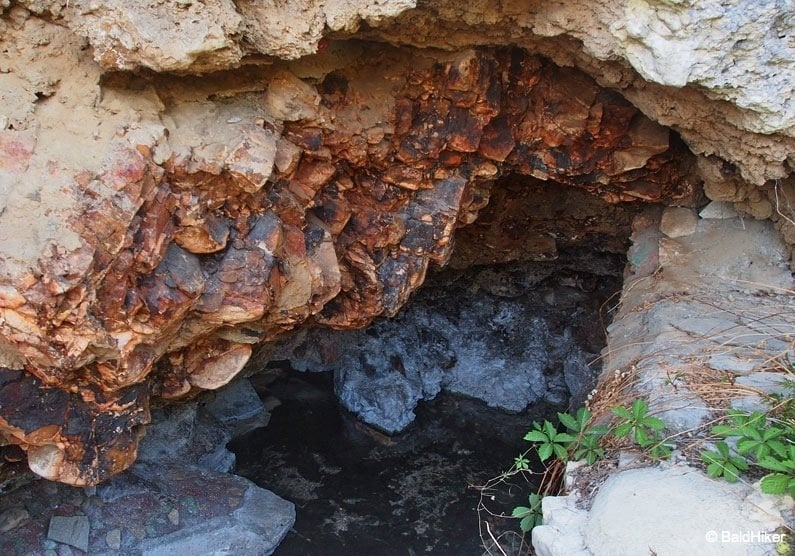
678, 222
161, 35
290, 99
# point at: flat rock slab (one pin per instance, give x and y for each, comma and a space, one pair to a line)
150, 509
671, 511
71, 530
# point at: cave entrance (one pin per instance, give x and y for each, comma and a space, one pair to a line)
379, 435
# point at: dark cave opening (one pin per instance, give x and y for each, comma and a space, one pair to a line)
508, 333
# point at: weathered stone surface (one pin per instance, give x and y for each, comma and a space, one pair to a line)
12, 518
623, 522
186, 229
135, 513
165, 226
678, 222
718, 210
71, 530
683, 64
495, 335
717, 305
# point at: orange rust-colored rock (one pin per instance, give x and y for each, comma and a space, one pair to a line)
323, 202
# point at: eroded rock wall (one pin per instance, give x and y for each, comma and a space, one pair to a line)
155, 227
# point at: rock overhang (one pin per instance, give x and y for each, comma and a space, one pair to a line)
195, 217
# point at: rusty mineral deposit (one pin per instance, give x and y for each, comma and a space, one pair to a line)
224, 211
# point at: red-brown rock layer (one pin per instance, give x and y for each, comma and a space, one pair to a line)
322, 204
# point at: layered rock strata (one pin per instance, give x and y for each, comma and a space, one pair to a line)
190, 219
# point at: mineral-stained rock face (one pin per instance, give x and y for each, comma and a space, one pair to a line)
232, 222
155, 228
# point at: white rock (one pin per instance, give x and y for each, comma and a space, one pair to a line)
671, 511
562, 531
718, 210
290, 99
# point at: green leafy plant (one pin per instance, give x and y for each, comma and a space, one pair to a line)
782, 478
755, 436
637, 424
582, 440
761, 441
530, 515
721, 463
549, 441
589, 449
521, 462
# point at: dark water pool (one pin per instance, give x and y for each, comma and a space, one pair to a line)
360, 492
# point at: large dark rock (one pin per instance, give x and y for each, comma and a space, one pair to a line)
510, 335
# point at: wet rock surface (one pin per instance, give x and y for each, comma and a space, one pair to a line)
358, 491
361, 491
178, 498
509, 335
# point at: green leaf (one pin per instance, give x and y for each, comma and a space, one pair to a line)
778, 447
560, 452
751, 432
730, 472
771, 463
544, 452
775, 483
536, 436
739, 463
569, 422
564, 437
622, 412
714, 470
724, 430
521, 462
641, 437
723, 449
597, 430
654, 423
623, 430
771, 433
550, 429
661, 451
639, 408
745, 445
583, 417
521, 511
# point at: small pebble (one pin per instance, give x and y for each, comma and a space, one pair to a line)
13, 518
173, 516
64, 550
113, 539
234, 120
